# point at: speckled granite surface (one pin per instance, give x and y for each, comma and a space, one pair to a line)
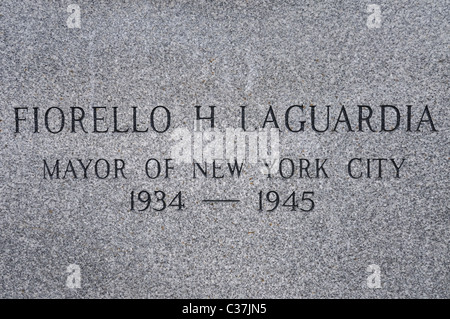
259, 54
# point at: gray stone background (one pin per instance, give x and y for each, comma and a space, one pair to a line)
224, 53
